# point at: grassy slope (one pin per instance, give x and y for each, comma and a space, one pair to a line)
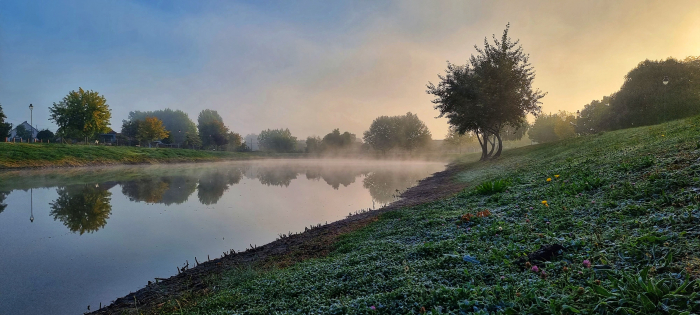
23, 155
623, 200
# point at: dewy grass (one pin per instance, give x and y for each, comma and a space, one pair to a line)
631, 238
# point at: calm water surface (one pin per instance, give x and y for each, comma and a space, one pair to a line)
78, 237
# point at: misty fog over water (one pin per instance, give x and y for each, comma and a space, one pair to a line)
73, 237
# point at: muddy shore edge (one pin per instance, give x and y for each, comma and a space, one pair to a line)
313, 243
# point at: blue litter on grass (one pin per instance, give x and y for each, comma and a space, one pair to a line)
470, 259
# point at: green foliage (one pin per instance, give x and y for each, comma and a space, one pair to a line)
644, 99
45, 135
553, 127
5, 127
151, 129
22, 132
176, 122
640, 293
81, 114
492, 187
405, 132
277, 140
492, 91
212, 131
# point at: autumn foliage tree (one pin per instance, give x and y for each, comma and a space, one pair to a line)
151, 129
492, 91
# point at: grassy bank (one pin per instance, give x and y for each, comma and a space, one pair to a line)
624, 205
24, 155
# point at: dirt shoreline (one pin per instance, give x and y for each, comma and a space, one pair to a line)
316, 242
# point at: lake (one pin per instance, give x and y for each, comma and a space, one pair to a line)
76, 237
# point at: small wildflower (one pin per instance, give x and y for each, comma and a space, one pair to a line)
500, 228
544, 202
581, 290
565, 269
527, 220
587, 263
556, 176
422, 310
503, 277
528, 265
597, 282
547, 222
535, 269
663, 135
543, 275
592, 201
517, 294
372, 307
549, 179
540, 235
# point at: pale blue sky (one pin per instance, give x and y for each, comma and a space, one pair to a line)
312, 66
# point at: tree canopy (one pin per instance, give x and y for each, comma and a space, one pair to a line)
81, 113
45, 135
151, 129
22, 132
277, 140
406, 132
490, 92
5, 127
176, 122
212, 130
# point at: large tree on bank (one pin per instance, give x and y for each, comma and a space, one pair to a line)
81, 113
492, 91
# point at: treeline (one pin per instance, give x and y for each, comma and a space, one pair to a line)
175, 128
653, 92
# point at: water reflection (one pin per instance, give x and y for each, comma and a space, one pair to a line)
212, 186
85, 207
3, 195
82, 208
115, 228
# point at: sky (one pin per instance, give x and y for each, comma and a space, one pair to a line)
313, 66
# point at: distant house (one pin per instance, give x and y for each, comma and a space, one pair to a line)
27, 126
109, 137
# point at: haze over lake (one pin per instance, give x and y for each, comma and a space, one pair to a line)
74, 237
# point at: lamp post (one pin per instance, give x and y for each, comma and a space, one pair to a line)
665, 82
31, 121
31, 205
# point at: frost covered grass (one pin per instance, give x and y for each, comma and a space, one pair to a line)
624, 205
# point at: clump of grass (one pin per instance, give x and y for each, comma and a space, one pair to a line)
492, 187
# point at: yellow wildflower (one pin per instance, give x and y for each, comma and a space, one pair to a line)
549, 179
544, 202
556, 176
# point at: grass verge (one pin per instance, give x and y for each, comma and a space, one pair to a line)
24, 155
624, 206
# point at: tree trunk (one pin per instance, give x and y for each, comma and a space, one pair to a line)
483, 144
500, 147
493, 146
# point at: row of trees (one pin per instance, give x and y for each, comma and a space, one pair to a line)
175, 127
653, 92
332, 142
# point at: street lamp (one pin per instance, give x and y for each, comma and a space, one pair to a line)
665, 82
31, 121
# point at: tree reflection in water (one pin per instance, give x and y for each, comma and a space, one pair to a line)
213, 185
82, 208
3, 195
164, 190
385, 187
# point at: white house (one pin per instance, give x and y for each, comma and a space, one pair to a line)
26, 125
